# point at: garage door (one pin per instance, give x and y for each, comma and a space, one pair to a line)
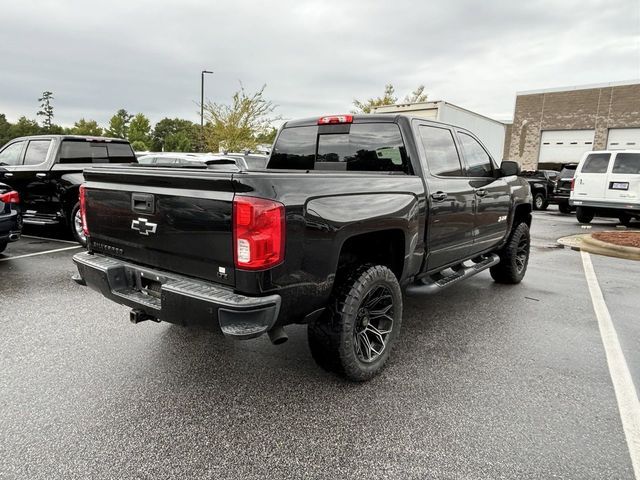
623, 138
564, 146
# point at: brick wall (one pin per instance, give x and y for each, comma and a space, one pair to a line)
591, 108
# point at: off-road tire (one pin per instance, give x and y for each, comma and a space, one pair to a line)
513, 265
71, 221
564, 207
540, 202
585, 214
331, 337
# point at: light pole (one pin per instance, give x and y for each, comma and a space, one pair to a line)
202, 74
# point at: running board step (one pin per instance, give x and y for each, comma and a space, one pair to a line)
436, 282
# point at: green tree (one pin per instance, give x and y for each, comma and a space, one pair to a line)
267, 137
140, 129
24, 127
139, 146
416, 96
86, 127
119, 124
46, 110
5, 129
236, 127
178, 142
169, 127
388, 98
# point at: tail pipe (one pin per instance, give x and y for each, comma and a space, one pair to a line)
277, 335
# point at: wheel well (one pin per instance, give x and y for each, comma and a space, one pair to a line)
385, 247
522, 214
70, 199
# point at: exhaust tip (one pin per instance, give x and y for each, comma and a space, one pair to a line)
277, 335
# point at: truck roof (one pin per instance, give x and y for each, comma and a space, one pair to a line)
364, 118
75, 137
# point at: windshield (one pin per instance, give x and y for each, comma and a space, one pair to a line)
568, 171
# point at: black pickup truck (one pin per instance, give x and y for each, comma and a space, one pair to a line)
46, 171
350, 211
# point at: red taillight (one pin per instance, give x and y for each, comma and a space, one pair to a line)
573, 183
335, 119
10, 197
83, 211
258, 233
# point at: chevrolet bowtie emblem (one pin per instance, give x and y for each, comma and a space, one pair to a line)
143, 226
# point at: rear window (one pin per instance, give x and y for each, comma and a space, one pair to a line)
627, 163
596, 163
81, 151
370, 147
568, 172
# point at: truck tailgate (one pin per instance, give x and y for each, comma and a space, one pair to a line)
172, 219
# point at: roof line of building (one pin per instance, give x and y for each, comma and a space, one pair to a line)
580, 87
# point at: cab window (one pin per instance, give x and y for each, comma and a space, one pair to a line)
440, 151
478, 160
11, 154
36, 152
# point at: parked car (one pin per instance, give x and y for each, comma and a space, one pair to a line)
607, 184
562, 190
350, 210
46, 170
251, 161
204, 160
542, 183
10, 216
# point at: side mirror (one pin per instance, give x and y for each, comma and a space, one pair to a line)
508, 168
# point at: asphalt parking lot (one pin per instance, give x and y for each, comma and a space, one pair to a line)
488, 381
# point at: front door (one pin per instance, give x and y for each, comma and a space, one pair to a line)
492, 194
450, 221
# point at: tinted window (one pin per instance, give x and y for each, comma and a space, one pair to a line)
478, 160
36, 152
627, 163
11, 154
371, 147
295, 148
74, 151
568, 172
120, 153
366, 147
440, 150
596, 163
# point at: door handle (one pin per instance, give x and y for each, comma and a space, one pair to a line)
41, 175
480, 192
439, 196
8, 175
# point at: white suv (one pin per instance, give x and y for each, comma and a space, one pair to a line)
607, 184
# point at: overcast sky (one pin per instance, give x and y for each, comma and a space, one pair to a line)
314, 56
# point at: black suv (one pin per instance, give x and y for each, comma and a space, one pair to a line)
562, 189
542, 183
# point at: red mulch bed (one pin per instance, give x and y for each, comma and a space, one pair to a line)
625, 239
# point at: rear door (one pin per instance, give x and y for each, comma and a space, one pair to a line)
492, 194
29, 175
591, 177
450, 223
623, 183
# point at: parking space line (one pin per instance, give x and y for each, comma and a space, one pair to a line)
39, 253
626, 396
47, 238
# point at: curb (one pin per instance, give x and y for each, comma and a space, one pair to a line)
621, 251
589, 244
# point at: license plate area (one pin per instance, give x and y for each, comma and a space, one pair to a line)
145, 282
618, 185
